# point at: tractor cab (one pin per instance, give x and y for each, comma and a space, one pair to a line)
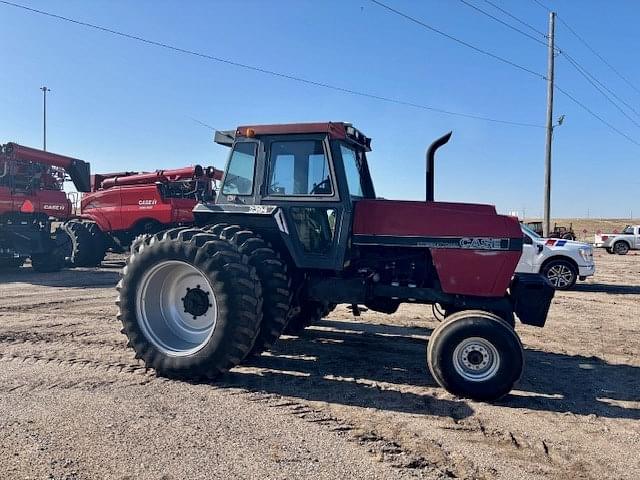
311, 173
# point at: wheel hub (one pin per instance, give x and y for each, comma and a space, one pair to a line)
196, 302
476, 359
176, 307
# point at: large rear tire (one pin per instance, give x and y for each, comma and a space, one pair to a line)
190, 304
475, 354
274, 279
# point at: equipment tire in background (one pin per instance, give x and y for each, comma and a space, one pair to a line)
88, 246
190, 304
307, 314
475, 354
55, 259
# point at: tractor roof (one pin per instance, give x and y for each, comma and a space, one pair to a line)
335, 130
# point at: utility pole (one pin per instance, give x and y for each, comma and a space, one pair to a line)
44, 117
546, 224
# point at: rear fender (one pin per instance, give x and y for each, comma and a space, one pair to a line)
531, 296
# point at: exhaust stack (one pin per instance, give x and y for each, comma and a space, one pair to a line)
431, 153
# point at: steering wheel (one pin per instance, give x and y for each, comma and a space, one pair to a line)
319, 186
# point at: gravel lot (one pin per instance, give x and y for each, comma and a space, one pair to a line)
350, 398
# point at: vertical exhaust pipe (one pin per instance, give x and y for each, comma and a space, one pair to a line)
431, 154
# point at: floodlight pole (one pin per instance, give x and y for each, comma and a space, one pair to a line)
44, 117
546, 223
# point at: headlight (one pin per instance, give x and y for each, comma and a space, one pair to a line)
586, 253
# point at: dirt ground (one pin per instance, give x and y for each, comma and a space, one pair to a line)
350, 398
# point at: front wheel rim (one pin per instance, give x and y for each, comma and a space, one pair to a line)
176, 308
476, 359
560, 276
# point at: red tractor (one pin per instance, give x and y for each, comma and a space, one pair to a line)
295, 229
124, 205
32, 201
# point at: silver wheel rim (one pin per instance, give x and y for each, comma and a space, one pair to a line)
176, 308
560, 276
476, 359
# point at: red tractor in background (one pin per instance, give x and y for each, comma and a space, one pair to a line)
32, 201
124, 205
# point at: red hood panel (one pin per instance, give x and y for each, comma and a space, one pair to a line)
475, 251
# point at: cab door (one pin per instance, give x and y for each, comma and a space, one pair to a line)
300, 179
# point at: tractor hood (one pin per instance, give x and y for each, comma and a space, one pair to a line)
475, 251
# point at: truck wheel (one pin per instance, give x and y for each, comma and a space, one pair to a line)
620, 248
56, 259
568, 236
561, 273
274, 279
190, 305
476, 355
83, 248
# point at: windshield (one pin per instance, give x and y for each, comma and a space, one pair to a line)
628, 230
529, 232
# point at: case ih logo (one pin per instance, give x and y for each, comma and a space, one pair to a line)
55, 207
147, 203
484, 243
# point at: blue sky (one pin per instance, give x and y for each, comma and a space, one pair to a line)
125, 105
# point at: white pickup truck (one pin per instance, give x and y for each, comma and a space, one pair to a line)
561, 261
620, 243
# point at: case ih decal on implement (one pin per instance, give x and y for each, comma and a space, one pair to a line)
124, 205
31, 200
295, 229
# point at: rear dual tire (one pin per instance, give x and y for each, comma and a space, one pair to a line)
190, 304
475, 354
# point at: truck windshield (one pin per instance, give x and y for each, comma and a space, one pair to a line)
628, 230
529, 232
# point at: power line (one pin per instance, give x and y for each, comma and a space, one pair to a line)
594, 81
508, 25
457, 40
266, 71
519, 20
591, 49
584, 42
595, 115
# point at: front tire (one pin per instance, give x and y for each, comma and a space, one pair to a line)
475, 354
561, 274
620, 248
190, 304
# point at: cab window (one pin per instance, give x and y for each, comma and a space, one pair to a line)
352, 170
239, 177
299, 168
